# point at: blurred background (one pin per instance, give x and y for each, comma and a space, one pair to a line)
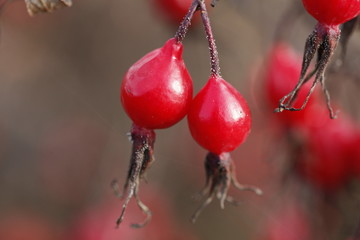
63, 132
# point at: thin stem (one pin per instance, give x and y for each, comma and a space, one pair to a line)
215, 67
186, 22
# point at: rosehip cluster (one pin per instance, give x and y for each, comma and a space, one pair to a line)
330, 14
156, 93
324, 151
321, 155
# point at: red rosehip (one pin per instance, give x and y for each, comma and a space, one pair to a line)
332, 12
219, 120
219, 117
157, 90
323, 41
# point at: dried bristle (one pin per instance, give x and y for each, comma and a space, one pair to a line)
37, 6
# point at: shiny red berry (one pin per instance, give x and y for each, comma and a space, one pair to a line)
332, 12
219, 117
157, 90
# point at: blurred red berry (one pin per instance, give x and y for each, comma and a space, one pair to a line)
288, 223
172, 10
97, 223
326, 160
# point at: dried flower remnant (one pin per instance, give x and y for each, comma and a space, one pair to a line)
36, 6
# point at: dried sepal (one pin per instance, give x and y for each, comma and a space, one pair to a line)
141, 159
323, 41
220, 175
37, 6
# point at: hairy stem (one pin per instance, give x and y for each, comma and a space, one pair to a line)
215, 67
141, 158
186, 22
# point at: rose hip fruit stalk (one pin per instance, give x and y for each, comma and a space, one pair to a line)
156, 93
219, 120
323, 40
36, 6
